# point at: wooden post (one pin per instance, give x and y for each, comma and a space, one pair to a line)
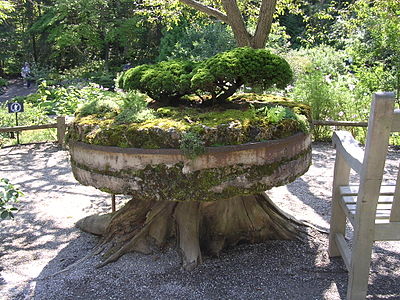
113, 206
338, 218
61, 129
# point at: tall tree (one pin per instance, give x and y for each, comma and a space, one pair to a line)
372, 38
250, 21
232, 15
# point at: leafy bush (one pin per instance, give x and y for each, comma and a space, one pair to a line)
324, 82
59, 100
126, 108
105, 107
134, 109
9, 195
94, 72
215, 79
44, 73
279, 113
373, 41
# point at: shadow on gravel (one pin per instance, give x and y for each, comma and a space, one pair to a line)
299, 270
271, 270
45, 178
385, 265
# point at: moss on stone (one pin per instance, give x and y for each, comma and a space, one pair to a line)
240, 123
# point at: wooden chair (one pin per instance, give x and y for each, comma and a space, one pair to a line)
372, 208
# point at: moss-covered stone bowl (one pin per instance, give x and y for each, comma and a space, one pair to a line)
244, 151
166, 174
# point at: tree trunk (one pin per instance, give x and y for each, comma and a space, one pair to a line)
264, 24
233, 17
208, 227
235, 20
34, 48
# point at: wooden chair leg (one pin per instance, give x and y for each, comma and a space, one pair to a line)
338, 217
337, 225
359, 270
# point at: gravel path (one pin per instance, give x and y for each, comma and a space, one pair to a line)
16, 88
42, 240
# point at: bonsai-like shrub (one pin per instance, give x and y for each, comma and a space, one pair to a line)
223, 74
214, 79
165, 82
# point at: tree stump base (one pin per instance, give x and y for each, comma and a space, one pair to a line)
195, 227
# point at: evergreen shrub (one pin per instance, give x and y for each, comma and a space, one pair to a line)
214, 79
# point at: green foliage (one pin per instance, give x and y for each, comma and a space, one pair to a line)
322, 20
5, 7
373, 41
324, 82
93, 71
134, 109
100, 106
224, 73
9, 195
3, 82
218, 77
165, 82
191, 145
59, 100
125, 108
195, 41
32, 115
277, 114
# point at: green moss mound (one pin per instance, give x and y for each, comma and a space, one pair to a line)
249, 118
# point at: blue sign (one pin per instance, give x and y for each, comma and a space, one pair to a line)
15, 107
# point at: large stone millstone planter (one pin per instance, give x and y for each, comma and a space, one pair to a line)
206, 204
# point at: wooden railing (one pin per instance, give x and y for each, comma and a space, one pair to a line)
341, 123
60, 125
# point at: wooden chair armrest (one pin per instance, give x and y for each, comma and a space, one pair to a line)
349, 148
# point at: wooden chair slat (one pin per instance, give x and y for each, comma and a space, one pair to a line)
381, 199
353, 190
395, 215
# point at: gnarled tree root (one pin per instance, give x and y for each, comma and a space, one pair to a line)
209, 227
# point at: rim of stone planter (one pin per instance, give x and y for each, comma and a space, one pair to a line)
138, 172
